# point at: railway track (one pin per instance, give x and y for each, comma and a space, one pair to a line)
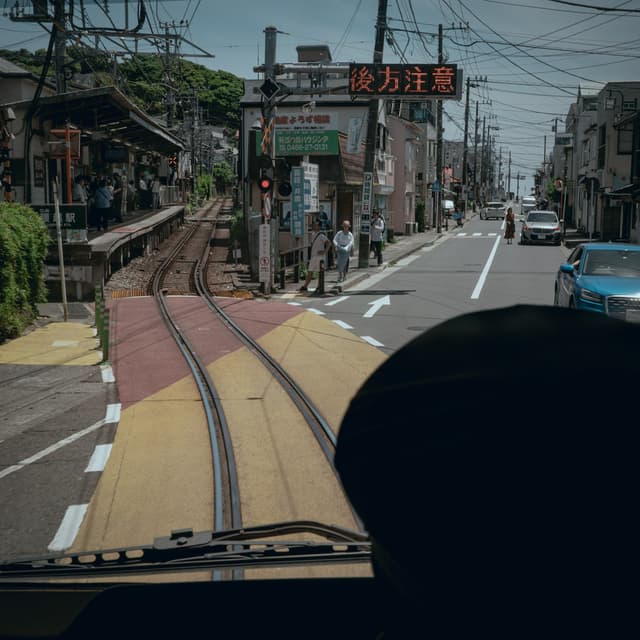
185, 272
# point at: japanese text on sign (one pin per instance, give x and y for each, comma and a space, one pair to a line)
435, 80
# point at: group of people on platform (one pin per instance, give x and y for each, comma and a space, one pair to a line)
109, 197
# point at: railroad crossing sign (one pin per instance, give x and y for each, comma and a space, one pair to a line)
267, 206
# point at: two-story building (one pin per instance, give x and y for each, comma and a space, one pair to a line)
597, 157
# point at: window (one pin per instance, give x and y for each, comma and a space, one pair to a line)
602, 146
625, 139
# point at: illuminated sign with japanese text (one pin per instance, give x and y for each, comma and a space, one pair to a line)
420, 80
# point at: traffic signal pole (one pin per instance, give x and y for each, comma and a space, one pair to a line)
370, 149
268, 145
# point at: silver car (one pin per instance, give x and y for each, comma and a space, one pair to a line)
541, 226
494, 209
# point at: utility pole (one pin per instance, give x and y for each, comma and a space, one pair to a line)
60, 45
475, 161
370, 149
483, 163
439, 132
509, 180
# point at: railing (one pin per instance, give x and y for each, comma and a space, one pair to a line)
102, 322
293, 263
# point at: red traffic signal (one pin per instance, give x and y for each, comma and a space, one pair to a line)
265, 183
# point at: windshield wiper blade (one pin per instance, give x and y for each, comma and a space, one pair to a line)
187, 550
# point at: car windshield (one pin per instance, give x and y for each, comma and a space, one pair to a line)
217, 223
542, 216
622, 264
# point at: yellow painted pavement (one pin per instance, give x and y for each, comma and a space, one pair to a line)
57, 343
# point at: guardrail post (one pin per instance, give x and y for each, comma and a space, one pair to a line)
321, 278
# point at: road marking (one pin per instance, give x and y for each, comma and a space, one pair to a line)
69, 527
372, 341
477, 235
98, 460
107, 373
293, 304
342, 324
483, 276
461, 235
376, 305
336, 301
113, 412
492, 235
316, 311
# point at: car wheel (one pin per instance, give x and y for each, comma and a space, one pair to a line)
572, 303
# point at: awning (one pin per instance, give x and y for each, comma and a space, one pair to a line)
107, 111
628, 191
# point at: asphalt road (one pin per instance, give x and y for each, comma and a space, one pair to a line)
470, 269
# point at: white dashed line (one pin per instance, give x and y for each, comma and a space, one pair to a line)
99, 458
372, 341
69, 527
336, 301
316, 311
112, 416
342, 324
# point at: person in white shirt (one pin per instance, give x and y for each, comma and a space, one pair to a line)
377, 231
343, 242
80, 190
318, 257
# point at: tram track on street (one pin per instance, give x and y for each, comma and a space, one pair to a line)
184, 272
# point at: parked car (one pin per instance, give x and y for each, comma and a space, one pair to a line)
494, 209
601, 277
528, 204
541, 226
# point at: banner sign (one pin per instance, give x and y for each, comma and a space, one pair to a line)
73, 220
367, 198
297, 201
420, 80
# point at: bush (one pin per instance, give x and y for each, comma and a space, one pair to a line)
24, 243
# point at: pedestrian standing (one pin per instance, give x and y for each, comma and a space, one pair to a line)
510, 228
155, 191
103, 200
377, 231
117, 197
80, 190
343, 242
317, 253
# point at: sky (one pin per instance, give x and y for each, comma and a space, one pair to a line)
528, 58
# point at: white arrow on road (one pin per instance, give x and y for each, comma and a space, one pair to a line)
376, 305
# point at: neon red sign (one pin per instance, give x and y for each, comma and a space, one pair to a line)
425, 80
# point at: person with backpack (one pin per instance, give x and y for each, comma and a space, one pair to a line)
377, 234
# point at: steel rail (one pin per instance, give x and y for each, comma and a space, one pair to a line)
216, 420
319, 426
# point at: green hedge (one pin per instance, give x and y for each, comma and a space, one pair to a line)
24, 243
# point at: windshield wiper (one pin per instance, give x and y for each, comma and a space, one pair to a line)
185, 549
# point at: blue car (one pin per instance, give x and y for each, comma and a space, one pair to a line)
601, 277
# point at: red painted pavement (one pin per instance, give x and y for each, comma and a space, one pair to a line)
145, 357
